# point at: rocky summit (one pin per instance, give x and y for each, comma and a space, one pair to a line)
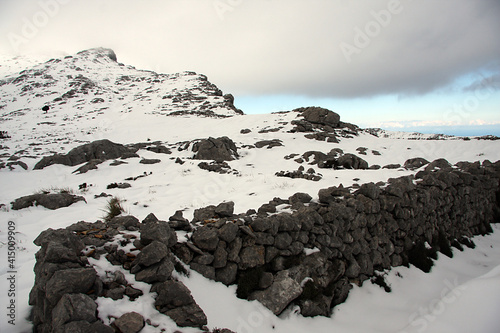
136, 201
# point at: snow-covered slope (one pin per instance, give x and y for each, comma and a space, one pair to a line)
91, 96
90, 91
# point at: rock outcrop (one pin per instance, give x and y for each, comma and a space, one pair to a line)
216, 149
97, 151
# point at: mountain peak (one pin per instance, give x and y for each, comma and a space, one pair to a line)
98, 52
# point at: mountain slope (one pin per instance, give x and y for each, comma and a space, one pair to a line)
87, 92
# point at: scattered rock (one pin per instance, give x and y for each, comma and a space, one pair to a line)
149, 161
130, 322
269, 143
48, 200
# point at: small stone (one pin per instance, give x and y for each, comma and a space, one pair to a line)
130, 322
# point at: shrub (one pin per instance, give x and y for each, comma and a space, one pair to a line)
113, 208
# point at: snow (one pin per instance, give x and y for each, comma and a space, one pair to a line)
459, 295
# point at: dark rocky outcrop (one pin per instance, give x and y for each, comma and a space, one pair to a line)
325, 124
335, 159
98, 150
219, 167
216, 149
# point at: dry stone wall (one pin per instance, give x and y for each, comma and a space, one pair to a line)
294, 251
312, 255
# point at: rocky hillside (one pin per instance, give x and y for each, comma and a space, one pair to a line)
62, 99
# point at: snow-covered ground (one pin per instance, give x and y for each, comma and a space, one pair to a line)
459, 295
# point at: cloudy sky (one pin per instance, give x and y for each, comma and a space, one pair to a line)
421, 64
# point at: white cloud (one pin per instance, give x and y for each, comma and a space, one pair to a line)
281, 46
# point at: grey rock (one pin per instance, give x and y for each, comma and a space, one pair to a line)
220, 255
269, 143
51, 200
79, 280
60, 236
188, 316
282, 240
74, 307
415, 163
205, 259
217, 149
392, 166
266, 280
159, 272
317, 115
206, 271
152, 254
280, 294
172, 294
203, 214
205, 238
351, 161
369, 190
159, 231
178, 222
227, 275
130, 322
129, 222
228, 232
399, 186
225, 209
252, 256
150, 161
300, 197
233, 250
97, 150
353, 269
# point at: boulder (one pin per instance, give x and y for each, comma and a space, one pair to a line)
280, 294
74, 307
48, 200
269, 143
98, 150
225, 209
415, 163
205, 238
78, 280
217, 149
175, 300
321, 116
130, 322
351, 161
157, 230
152, 254
252, 256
